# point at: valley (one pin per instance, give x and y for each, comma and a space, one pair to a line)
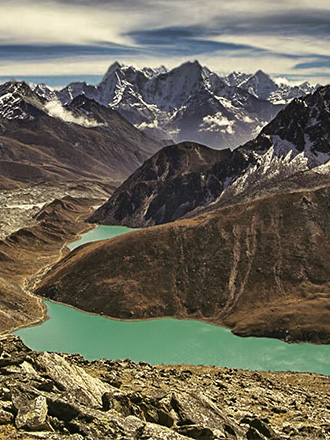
213, 267
28, 252
227, 264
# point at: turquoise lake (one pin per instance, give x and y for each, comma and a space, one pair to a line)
99, 233
167, 341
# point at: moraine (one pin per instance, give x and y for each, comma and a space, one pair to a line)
165, 341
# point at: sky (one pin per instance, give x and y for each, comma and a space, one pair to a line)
62, 40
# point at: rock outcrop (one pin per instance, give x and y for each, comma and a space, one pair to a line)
170, 184
63, 397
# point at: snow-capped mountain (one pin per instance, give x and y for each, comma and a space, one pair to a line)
302, 127
42, 140
190, 101
17, 101
262, 86
292, 151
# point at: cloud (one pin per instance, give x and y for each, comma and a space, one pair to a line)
184, 41
54, 108
85, 36
316, 64
56, 51
42, 23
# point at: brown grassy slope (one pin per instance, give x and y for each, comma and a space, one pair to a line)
48, 149
261, 268
26, 252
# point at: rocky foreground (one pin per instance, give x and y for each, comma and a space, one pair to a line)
58, 396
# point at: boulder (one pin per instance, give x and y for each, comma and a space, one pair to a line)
33, 415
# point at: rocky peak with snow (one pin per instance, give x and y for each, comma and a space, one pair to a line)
190, 101
19, 102
291, 147
303, 127
259, 85
263, 86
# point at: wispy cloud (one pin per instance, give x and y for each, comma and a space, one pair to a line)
54, 108
76, 36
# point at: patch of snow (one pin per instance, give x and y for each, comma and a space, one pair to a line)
248, 120
269, 167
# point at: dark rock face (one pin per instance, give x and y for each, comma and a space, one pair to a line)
155, 194
63, 397
172, 183
305, 124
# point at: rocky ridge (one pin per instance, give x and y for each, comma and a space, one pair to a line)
295, 145
27, 253
170, 184
42, 141
62, 397
190, 102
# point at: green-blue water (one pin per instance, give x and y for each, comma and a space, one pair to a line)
167, 341
99, 233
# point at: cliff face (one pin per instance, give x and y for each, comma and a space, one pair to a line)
261, 268
170, 184
63, 397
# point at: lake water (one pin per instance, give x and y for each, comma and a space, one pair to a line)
99, 233
167, 341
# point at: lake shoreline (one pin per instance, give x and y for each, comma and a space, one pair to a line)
168, 341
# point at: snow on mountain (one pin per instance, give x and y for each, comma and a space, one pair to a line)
44, 91
296, 141
189, 101
18, 101
264, 87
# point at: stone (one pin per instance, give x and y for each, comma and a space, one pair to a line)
259, 425
197, 409
33, 416
5, 417
254, 434
64, 397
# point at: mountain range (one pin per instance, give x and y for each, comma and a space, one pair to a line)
242, 236
107, 131
190, 178
189, 102
41, 140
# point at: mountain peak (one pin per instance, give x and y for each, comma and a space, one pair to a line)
261, 74
191, 65
113, 68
